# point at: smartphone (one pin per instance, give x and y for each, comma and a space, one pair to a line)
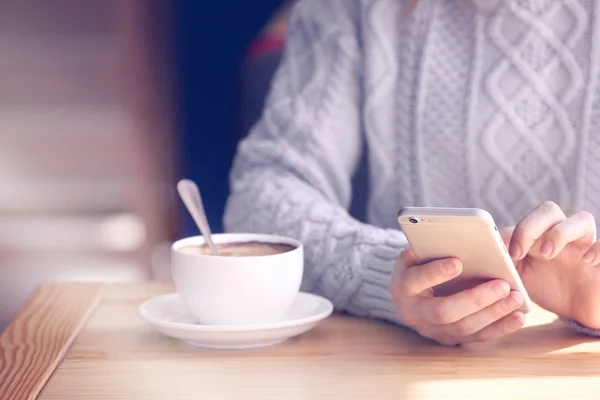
468, 234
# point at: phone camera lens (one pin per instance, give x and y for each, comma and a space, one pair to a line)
413, 220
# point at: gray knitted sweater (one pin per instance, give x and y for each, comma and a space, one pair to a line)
495, 106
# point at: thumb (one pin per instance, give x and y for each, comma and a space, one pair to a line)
410, 258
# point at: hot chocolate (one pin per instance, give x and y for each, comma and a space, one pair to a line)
241, 249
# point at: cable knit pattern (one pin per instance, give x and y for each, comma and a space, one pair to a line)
496, 107
530, 136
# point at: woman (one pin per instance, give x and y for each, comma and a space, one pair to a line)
494, 106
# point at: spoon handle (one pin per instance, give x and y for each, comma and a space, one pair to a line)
190, 195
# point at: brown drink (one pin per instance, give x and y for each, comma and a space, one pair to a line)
241, 249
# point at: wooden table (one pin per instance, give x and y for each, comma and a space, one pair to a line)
73, 341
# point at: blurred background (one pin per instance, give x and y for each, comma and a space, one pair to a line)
104, 105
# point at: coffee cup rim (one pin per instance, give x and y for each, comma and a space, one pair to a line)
237, 238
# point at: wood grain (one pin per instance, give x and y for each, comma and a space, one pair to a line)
34, 343
118, 356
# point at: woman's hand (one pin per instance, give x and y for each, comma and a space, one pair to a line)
557, 258
484, 313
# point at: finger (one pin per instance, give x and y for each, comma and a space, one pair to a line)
450, 309
410, 258
580, 227
533, 226
592, 256
505, 326
489, 315
418, 279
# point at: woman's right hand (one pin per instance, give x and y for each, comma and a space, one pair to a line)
481, 314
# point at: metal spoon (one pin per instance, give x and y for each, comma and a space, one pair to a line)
189, 193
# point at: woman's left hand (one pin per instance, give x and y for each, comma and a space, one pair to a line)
558, 259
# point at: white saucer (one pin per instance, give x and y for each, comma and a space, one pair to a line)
169, 316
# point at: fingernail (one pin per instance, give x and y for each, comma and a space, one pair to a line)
514, 300
500, 288
450, 266
547, 249
589, 256
515, 251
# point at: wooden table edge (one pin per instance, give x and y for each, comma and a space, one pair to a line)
73, 305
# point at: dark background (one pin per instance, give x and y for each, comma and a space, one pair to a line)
210, 40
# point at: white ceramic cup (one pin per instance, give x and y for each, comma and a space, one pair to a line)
221, 290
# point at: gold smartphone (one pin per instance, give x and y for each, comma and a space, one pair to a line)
468, 234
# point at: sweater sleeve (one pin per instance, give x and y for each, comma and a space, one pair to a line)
579, 328
292, 174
